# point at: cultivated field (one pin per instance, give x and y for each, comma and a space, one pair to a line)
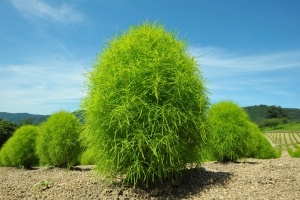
289, 141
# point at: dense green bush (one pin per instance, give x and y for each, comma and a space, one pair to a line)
260, 146
19, 150
58, 141
88, 157
146, 106
270, 123
7, 128
230, 131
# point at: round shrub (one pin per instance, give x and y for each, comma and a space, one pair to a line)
4, 160
58, 141
146, 106
19, 150
230, 131
260, 146
88, 157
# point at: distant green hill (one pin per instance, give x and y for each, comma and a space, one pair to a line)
258, 113
19, 117
35, 119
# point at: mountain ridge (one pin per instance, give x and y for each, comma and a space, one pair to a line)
256, 113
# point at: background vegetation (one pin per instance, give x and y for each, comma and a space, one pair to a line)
230, 131
19, 150
18, 118
7, 129
260, 112
58, 140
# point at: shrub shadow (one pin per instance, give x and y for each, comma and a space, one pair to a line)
193, 181
80, 168
235, 162
27, 168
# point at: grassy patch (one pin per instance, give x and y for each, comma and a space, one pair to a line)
285, 127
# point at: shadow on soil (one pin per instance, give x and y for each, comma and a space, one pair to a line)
193, 181
236, 162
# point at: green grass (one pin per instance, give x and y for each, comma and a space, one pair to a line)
279, 150
290, 151
293, 142
282, 127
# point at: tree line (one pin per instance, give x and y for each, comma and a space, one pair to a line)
261, 112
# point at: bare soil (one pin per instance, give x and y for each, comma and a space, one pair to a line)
247, 179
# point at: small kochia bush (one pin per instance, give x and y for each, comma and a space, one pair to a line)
58, 141
88, 157
260, 146
146, 106
19, 150
230, 131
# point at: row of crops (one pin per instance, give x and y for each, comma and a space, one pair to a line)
289, 140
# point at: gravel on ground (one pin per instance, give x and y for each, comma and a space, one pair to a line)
246, 179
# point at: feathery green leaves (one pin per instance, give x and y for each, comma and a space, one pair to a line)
146, 106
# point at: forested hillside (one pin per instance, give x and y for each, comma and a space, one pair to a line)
259, 112
19, 117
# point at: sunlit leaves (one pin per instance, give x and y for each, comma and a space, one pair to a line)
58, 140
146, 106
19, 150
231, 131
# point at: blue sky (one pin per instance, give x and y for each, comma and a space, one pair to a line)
249, 50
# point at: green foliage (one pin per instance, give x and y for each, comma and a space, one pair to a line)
58, 140
42, 185
19, 150
288, 148
260, 146
88, 157
231, 132
292, 141
27, 121
146, 106
279, 151
284, 127
273, 122
276, 112
259, 112
6, 130
270, 123
296, 154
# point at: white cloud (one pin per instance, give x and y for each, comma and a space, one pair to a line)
268, 78
65, 13
217, 61
41, 88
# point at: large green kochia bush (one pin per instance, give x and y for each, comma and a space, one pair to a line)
230, 131
146, 106
58, 140
19, 150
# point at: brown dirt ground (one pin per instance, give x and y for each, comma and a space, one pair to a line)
247, 179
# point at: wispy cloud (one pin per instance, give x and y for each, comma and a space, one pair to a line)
41, 88
216, 60
246, 78
64, 13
